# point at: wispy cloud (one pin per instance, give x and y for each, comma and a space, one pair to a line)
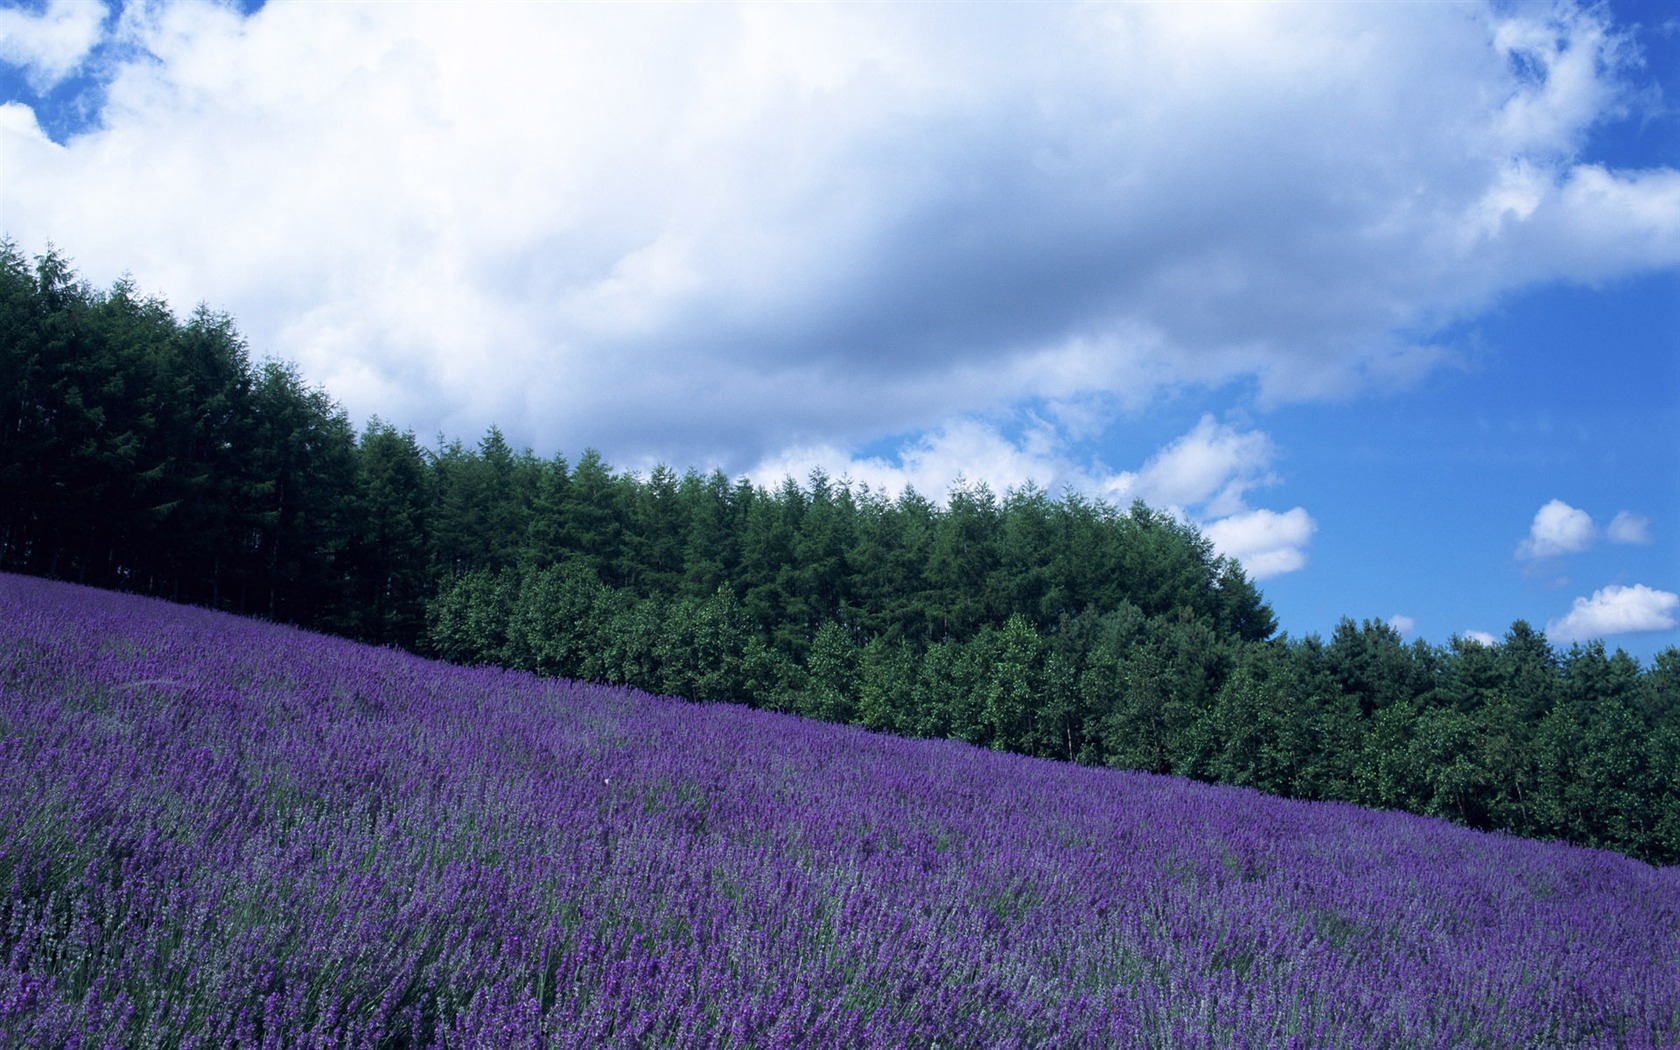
49, 44
1627, 527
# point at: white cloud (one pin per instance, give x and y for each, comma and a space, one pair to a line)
1403, 624
716, 234
1616, 610
1267, 544
932, 464
1562, 89
1627, 527
1481, 638
1558, 529
1200, 477
49, 45
1202, 474
1211, 467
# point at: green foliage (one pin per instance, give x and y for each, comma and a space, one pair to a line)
390, 557
553, 621
1011, 684
469, 622
143, 452
702, 649
1257, 732
306, 448
886, 687
1374, 666
831, 675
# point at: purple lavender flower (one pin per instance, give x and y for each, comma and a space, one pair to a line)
218, 832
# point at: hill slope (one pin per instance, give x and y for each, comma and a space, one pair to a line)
225, 829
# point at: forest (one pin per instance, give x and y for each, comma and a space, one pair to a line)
143, 452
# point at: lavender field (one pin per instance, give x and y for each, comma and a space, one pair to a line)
219, 832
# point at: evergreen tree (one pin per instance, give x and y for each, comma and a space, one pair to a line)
1374, 666
593, 523
307, 448
390, 556
710, 549
503, 490
652, 557
817, 586
545, 536
961, 562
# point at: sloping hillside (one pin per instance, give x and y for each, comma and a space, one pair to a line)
216, 831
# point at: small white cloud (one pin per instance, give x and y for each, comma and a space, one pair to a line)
1211, 467
50, 45
1403, 624
1265, 542
1558, 529
1481, 638
1627, 527
1616, 610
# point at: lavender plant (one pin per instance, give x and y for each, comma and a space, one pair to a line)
217, 832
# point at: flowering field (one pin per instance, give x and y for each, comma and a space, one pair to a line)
219, 832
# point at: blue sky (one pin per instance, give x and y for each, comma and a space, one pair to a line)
1381, 296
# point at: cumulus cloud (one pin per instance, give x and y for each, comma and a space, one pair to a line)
1481, 638
1403, 624
48, 45
1211, 467
1627, 527
1616, 610
727, 234
1265, 542
1558, 529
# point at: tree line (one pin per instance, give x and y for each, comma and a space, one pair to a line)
1582, 745
145, 452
